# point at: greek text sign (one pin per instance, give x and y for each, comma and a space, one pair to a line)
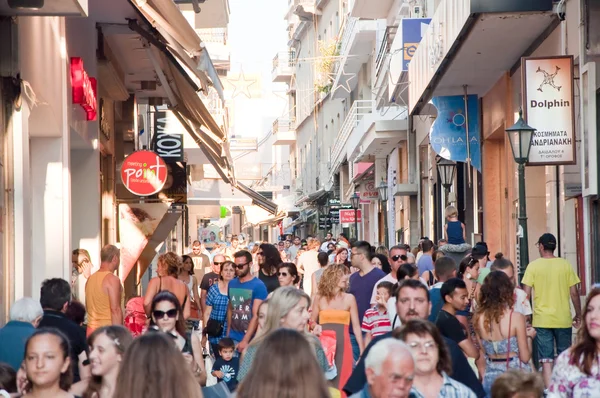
549, 107
144, 173
347, 216
168, 137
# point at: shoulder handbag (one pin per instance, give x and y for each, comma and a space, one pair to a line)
213, 328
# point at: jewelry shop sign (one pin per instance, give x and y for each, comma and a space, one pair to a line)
549, 108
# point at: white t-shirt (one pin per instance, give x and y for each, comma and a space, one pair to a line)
311, 264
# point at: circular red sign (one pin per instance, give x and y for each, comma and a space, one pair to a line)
144, 173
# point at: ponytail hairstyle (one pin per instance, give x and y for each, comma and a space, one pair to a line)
467, 262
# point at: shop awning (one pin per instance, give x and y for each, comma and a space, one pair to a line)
176, 66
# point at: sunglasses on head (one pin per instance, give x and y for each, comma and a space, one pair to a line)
172, 313
241, 266
399, 257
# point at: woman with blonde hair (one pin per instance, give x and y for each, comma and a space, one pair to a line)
287, 308
151, 368
168, 269
107, 347
287, 368
336, 311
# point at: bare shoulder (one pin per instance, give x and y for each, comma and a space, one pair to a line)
112, 279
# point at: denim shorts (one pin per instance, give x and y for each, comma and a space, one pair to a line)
547, 339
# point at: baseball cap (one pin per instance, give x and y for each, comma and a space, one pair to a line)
480, 249
548, 241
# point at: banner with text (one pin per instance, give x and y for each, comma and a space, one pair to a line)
549, 108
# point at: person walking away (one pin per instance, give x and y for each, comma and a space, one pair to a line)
433, 362
425, 262
553, 280
55, 295
455, 298
226, 366
215, 313
397, 258
268, 260
522, 304
107, 347
310, 263
151, 368
323, 260
444, 269
502, 332
25, 315
245, 295
454, 233
210, 279
577, 370
390, 369
412, 302
376, 320
189, 279
361, 285
103, 292
336, 311
168, 270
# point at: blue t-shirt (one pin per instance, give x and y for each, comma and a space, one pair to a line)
425, 263
13, 337
435, 297
229, 369
361, 287
241, 297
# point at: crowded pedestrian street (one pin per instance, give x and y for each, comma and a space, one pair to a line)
299, 199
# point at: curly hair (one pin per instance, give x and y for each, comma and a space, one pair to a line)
495, 296
272, 258
172, 262
328, 284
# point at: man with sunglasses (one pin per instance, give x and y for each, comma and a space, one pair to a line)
246, 293
210, 279
397, 258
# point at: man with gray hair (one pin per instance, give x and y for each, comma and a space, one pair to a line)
390, 369
25, 315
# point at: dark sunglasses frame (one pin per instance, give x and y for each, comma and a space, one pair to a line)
283, 274
172, 313
219, 263
399, 257
240, 266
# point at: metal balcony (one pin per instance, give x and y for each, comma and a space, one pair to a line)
358, 110
283, 67
284, 131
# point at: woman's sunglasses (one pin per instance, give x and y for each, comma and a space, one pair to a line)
282, 274
172, 313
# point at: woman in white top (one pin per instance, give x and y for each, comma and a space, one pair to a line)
187, 276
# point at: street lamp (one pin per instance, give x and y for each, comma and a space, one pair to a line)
446, 169
520, 135
383, 197
355, 202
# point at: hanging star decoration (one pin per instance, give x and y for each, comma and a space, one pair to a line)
241, 85
344, 77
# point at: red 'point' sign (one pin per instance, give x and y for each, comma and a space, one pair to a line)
84, 89
144, 173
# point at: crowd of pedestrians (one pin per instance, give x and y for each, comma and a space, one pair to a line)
310, 319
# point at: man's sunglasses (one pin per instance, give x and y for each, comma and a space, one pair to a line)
399, 257
161, 314
219, 263
241, 266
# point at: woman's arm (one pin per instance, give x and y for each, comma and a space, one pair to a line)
518, 322
313, 282
314, 315
150, 293
200, 371
196, 294
186, 305
355, 322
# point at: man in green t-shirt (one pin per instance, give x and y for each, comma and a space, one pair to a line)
553, 280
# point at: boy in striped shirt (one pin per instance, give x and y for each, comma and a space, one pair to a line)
376, 320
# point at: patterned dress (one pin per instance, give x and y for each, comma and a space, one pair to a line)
569, 381
218, 302
494, 369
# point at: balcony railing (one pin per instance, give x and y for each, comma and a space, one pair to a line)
213, 35
283, 125
283, 66
386, 43
355, 114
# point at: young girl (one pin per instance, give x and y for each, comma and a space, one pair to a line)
454, 232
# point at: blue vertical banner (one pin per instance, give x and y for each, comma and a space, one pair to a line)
413, 30
448, 135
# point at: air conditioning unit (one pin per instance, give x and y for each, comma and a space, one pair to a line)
417, 12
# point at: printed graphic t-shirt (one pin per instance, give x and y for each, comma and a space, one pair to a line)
242, 296
229, 369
